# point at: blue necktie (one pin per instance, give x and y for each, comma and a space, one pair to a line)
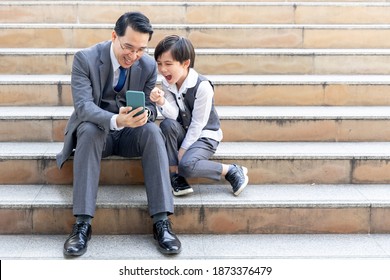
121, 80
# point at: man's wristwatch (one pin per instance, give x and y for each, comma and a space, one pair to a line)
149, 113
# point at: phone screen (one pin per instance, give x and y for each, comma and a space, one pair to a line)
135, 99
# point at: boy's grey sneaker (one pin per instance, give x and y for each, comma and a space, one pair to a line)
238, 178
180, 185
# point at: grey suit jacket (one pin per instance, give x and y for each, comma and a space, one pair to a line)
90, 71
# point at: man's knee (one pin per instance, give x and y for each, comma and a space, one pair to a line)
151, 132
87, 130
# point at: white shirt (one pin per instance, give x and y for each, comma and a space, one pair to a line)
115, 68
201, 110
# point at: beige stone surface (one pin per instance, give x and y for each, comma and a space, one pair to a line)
364, 130
19, 172
241, 14
339, 14
15, 221
279, 130
25, 130
297, 171
287, 220
371, 171
380, 220
351, 64
17, 13
61, 220
346, 38
36, 63
35, 94
350, 95
272, 95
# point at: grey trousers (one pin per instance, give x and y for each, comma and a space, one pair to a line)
146, 142
195, 162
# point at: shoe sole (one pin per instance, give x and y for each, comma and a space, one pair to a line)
75, 254
165, 252
242, 187
162, 250
183, 192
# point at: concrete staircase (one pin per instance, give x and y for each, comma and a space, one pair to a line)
302, 90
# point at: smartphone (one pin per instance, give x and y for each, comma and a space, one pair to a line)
135, 99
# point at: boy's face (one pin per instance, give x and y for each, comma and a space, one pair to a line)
172, 70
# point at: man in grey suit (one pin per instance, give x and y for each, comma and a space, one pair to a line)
101, 125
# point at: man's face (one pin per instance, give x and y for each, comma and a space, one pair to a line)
130, 47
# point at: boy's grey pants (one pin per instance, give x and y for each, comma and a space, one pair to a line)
195, 162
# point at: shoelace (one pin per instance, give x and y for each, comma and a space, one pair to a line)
178, 181
80, 228
164, 224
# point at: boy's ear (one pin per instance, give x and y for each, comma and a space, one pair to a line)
187, 63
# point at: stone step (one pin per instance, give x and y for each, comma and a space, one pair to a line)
55, 35
224, 61
255, 123
260, 1
222, 249
267, 162
230, 90
197, 12
211, 209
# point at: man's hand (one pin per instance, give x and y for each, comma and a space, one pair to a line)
126, 119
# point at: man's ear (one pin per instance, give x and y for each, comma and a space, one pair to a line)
113, 35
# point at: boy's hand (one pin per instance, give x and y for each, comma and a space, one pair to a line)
157, 96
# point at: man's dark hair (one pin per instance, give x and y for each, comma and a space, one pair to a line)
181, 49
136, 20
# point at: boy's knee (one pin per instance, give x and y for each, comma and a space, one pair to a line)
186, 168
167, 126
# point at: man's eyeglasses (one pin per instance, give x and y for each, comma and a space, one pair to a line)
130, 49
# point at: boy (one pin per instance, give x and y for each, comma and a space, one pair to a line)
191, 125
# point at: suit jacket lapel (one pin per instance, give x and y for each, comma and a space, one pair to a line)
135, 76
104, 68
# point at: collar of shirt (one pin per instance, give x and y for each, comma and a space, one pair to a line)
189, 82
115, 66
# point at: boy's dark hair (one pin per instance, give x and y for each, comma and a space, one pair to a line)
136, 20
181, 49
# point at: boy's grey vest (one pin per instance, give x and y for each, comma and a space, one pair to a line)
185, 117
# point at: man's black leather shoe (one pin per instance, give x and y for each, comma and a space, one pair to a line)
167, 240
77, 242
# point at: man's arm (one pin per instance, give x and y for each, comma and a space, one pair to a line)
84, 102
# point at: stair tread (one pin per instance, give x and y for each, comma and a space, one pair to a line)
214, 196
225, 79
204, 25
233, 150
236, 51
200, 3
205, 246
225, 112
